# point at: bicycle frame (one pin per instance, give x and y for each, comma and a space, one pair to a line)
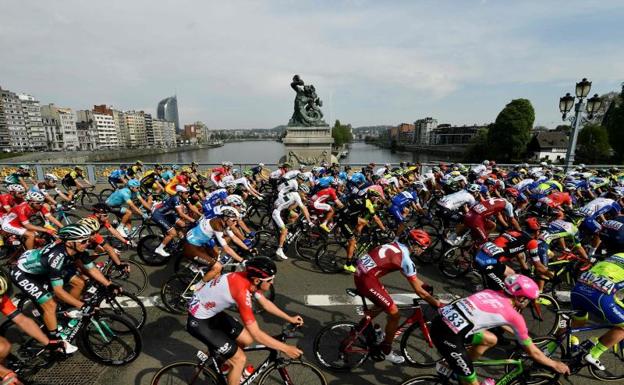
508, 377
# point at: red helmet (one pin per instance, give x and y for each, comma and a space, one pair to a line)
419, 237
532, 223
512, 191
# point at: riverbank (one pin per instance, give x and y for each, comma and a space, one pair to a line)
77, 157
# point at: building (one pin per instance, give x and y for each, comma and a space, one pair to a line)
97, 128
548, 145
31, 111
122, 130
13, 131
402, 134
60, 127
168, 110
164, 133
149, 129
135, 129
422, 130
197, 130
445, 134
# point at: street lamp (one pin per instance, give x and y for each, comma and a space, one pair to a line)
565, 105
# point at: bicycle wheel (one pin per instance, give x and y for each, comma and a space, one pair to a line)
338, 348
456, 262
150, 228
111, 340
434, 251
67, 218
308, 243
266, 243
331, 258
133, 282
88, 199
146, 249
613, 360
129, 306
104, 194
185, 373
295, 371
175, 293
541, 316
416, 349
25, 349
428, 379
540, 378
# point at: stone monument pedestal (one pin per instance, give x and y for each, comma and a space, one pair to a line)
308, 145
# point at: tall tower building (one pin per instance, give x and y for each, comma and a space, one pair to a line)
168, 110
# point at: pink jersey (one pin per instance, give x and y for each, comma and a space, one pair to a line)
221, 293
484, 310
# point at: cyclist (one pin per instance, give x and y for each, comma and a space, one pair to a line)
599, 291
121, 200
400, 206
151, 182
612, 235
170, 212
17, 220
118, 177
382, 260
454, 206
222, 333
287, 202
135, 171
19, 176
561, 231
218, 173
276, 176
11, 199
169, 173
75, 179
49, 183
596, 212
99, 243
37, 268
100, 212
318, 202
466, 320
181, 179
478, 218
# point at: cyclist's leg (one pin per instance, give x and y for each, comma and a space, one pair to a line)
481, 342
451, 347
613, 313
34, 289
370, 287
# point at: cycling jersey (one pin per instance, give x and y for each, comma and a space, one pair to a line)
120, 197
476, 216
456, 200
600, 206
400, 202
150, 178
41, 188
212, 200
20, 215
282, 203
612, 234
8, 199
507, 245
217, 175
597, 290
117, 174
561, 229
168, 206
167, 175
50, 262
221, 293
555, 199
133, 171
73, 175
322, 196
203, 234
14, 178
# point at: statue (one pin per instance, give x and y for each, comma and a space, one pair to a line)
307, 105
294, 158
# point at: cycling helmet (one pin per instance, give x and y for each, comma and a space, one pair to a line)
532, 223
181, 189
50, 177
261, 164
175, 167
229, 212
260, 267
510, 191
234, 199
91, 223
435, 169
140, 163
418, 185
302, 176
134, 183
304, 188
236, 171
74, 232
486, 162
517, 285
34, 196
186, 169
372, 193
16, 188
158, 167
474, 188
24, 167
455, 173
100, 208
418, 237
229, 183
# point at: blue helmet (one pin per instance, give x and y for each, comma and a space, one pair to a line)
134, 183
358, 178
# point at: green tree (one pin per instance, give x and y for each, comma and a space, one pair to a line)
613, 121
478, 146
341, 133
511, 132
593, 144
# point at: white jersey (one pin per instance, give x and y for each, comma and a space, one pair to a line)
285, 201
456, 200
524, 183
289, 185
596, 205
276, 174
479, 170
381, 171
292, 174
308, 175
242, 181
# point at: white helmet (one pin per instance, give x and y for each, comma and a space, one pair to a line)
51, 177
34, 196
234, 199
181, 189
261, 164
228, 212
18, 188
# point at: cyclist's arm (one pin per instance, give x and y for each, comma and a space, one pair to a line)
51, 218
31, 227
194, 209
538, 356
23, 183
96, 274
379, 222
112, 253
182, 214
133, 207
263, 338
271, 308
417, 286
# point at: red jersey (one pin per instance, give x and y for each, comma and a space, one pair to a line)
556, 199
516, 242
492, 206
324, 195
385, 259
218, 173
8, 199
21, 214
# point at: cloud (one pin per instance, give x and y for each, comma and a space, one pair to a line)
230, 62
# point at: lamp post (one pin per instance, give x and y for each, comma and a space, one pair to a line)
565, 105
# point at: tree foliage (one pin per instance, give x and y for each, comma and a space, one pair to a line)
511, 132
341, 133
593, 144
613, 121
478, 146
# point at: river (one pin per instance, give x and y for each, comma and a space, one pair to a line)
270, 152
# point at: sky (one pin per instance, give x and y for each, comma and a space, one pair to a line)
376, 62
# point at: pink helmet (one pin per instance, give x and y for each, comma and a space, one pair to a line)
518, 285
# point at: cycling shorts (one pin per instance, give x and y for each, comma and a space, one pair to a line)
452, 347
605, 306
484, 259
321, 206
11, 229
164, 221
200, 254
118, 211
219, 333
590, 226
277, 218
371, 288
33, 286
397, 213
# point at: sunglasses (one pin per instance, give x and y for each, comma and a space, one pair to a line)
83, 242
268, 280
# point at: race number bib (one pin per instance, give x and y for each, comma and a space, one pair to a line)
366, 263
598, 282
453, 319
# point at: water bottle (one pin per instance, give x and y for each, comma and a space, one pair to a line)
379, 334
246, 373
489, 381
574, 344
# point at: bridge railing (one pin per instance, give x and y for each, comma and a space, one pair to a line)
98, 172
